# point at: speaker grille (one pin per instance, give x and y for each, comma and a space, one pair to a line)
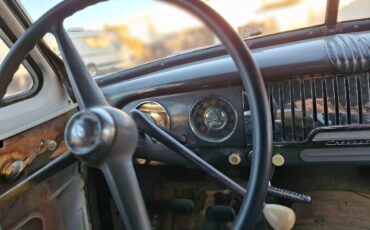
298, 106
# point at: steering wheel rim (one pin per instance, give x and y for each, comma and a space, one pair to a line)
249, 72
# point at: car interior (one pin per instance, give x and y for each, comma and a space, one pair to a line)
184, 114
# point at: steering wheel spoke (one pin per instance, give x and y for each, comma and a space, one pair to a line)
87, 91
122, 182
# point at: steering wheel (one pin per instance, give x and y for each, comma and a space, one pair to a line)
106, 138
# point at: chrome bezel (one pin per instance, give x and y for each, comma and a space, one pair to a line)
159, 104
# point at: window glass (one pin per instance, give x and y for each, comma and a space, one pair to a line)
22, 81
121, 34
353, 10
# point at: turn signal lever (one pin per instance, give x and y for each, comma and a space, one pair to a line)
146, 125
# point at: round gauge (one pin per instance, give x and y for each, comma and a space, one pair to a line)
213, 119
157, 112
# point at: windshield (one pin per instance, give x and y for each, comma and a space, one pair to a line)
118, 34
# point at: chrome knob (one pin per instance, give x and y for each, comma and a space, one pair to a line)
84, 131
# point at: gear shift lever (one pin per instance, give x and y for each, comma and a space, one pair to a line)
279, 217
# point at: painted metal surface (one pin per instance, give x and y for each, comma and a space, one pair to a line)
57, 203
51, 101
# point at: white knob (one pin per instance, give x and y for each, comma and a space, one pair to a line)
279, 217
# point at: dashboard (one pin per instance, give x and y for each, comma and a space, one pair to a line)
319, 101
210, 121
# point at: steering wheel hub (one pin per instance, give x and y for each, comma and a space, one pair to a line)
89, 131
83, 132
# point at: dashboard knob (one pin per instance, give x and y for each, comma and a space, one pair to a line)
234, 158
278, 160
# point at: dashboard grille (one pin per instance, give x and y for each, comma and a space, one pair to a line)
298, 106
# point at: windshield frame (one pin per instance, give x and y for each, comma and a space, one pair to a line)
331, 14
35, 73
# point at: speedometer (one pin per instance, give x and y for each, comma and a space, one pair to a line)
213, 119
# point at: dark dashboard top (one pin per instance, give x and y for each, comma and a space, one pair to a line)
345, 53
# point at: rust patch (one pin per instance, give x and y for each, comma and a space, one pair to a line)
22, 145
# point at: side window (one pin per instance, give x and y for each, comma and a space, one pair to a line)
22, 83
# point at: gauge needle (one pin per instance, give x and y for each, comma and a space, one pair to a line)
210, 126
